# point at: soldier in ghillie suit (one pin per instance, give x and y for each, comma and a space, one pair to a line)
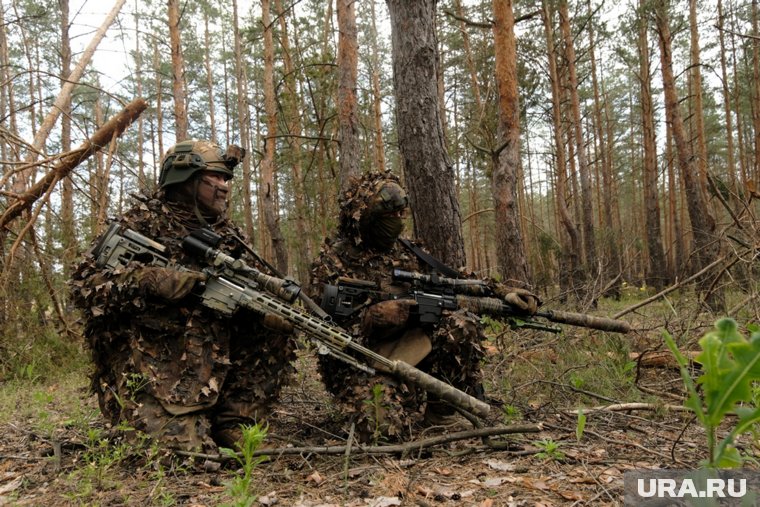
367, 246
164, 364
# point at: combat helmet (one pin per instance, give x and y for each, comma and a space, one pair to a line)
186, 158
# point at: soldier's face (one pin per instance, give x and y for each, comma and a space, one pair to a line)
212, 194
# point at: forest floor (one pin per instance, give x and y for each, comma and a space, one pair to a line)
53, 449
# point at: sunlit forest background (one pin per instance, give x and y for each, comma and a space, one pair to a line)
639, 128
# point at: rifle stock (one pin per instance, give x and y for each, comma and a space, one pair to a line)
232, 285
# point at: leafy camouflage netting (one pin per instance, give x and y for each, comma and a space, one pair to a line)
176, 369
392, 409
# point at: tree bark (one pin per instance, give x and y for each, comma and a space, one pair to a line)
242, 117
209, 77
268, 196
583, 166
178, 72
510, 250
570, 241
348, 120
291, 106
68, 227
702, 222
657, 269
731, 160
377, 114
613, 266
429, 173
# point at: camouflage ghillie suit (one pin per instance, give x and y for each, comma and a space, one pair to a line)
392, 409
166, 365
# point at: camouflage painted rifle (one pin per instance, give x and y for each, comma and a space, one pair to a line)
232, 285
434, 294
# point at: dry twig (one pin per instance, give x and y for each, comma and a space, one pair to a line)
404, 448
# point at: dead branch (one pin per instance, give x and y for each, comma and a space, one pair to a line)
671, 288
407, 447
67, 89
113, 128
625, 407
660, 358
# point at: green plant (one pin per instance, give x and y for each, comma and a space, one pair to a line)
580, 425
492, 326
239, 488
549, 449
730, 364
376, 406
510, 413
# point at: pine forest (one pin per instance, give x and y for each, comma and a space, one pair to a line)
603, 154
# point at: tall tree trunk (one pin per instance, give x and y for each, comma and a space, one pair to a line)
657, 272
159, 98
292, 110
477, 264
583, 166
570, 241
209, 77
141, 179
743, 170
178, 72
510, 250
702, 221
698, 114
68, 227
755, 86
242, 117
348, 120
422, 145
613, 266
268, 163
377, 113
731, 159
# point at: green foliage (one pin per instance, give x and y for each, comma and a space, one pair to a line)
375, 404
580, 425
38, 353
239, 488
510, 413
730, 365
549, 449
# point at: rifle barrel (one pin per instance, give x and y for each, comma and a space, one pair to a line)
583, 320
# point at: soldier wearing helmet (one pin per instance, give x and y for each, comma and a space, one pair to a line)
164, 364
368, 247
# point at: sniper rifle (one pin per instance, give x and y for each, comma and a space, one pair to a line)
434, 293
232, 284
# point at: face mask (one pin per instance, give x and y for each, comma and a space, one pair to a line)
383, 231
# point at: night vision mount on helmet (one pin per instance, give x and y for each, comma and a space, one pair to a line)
185, 159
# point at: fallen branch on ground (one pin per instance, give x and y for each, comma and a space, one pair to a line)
624, 407
661, 358
407, 447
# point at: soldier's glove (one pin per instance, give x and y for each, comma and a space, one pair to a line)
522, 299
167, 283
386, 317
276, 323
